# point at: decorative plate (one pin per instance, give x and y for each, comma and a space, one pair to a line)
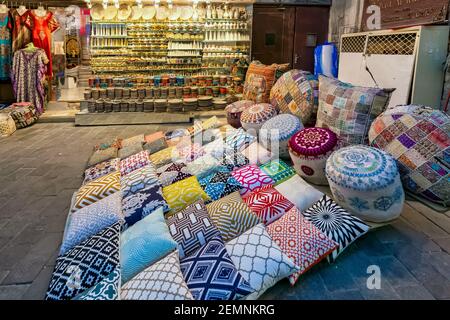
186, 12
110, 13
175, 13
137, 13
124, 12
148, 12
162, 13
97, 12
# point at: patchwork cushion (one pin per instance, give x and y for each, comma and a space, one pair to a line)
189, 152
149, 138
239, 140
235, 161
259, 81
219, 183
254, 117
85, 265
164, 157
211, 275
97, 190
257, 154
336, 223
136, 140
300, 193
101, 169
130, 150
251, 178
183, 193
301, 241
231, 216
138, 180
278, 170
144, 243
267, 203
202, 166
172, 172
191, 228
107, 289
134, 162
259, 260
102, 155
155, 146
161, 281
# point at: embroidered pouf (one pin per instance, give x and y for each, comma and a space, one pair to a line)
418, 138
235, 110
366, 182
254, 117
276, 132
309, 150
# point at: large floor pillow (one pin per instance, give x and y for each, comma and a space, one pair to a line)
85, 265
102, 155
296, 92
210, 123
418, 138
139, 139
202, 166
164, 157
278, 170
251, 178
259, 80
231, 216
257, 154
218, 149
253, 118
156, 145
235, 110
134, 162
101, 169
210, 274
239, 140
349, 110
163, 280
149, 138
130, 150
259, 259
190, 151
106, 290
138, 180
219, 183
235, 161
299, 192
115, 143
172, 172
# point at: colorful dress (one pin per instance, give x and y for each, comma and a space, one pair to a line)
5, 46
21, 35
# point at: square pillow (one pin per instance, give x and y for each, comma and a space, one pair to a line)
106, 290
211, 123
191, 228
155, 146
85, 265
267, 203
183, 193
101, 169
102, 155
231, 216
335, 222
259, 80
195, 129
235, 161
299, 192
190, 151
144, 243
172, 172
130, 150
208, 136
202, 166
140, 204
278, 170
161, 281
136, 140
219, 183
301, 241
259, 260
179, 141
134, 162
251, 178
164, 157
218, 149
96, 190
211, 275
138, 180
90, 220
239, 140
115, 143
149, 138
257, 154
349, 110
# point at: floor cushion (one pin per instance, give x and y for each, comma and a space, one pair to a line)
235, 110
190, 151
138, 180
102, 155
278, 170
164, 157
115, 143
257, 154
202, 166
139, 139
300, 193
219, 183
259, 80
218, 149
253, 118
251, 178
210, 123
149, 138
101, 169
156, 145
105, 290
239, 140
130, 150
172, 172
234, 161
134, 162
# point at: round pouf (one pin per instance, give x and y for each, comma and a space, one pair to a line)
276, 132
418, 138
296, 92
309, 150
235, 110
366, 181
254, 117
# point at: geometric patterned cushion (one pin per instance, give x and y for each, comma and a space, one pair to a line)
267, 203
259, 80
190, 151
134, 162
149, 138
138, 180
300, 193
101, 169
107, 289
218, 149
164, 156
211, 275
102, 155
97, 190
340, 226
171, 173
191, 228
130, 150
87, 221
259, 259
85, 265
257, 154
155, 146
234, 161
202, 166
301, 241
251, 178
278, 170
239, 140
231, 216
219, 184
161, 281
139, 139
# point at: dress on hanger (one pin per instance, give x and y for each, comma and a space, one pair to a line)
21, 35
42, 28
5, 46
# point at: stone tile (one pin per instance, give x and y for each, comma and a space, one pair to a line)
337, 278
309, 286
3, 275
441, 262
39, 287
14, 292
426, 226
414, 293
347, 295
12, 253
444, 243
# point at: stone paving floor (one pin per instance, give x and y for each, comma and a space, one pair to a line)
41, 167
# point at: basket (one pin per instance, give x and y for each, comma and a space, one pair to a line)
7, 125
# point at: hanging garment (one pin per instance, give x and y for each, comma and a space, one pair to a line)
42, 28
29, 68
5, 46
21, 35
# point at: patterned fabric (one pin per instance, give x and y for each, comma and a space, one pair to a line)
101, 169
253, 118
211, 275
239, 140
267, 203
21, 35
257, 154
164, 157
24, 114
191, 228
300, 193
301, 241
116, 143
130, 150
136, 140
147, 285
190, 152
251, 178
349, 110
140, 204
231, 216
219, 184
144, 243
336, 223
5, 45
235, 110
149, 138
102, 156
418, 138
202, 166
138, 180
97, 190
278, 170
218, 149
259, 81
211, 123
259, 260
155, 146
235, 161
107, 289
85, 265
171, 173
88, 221
134, 162
183, 193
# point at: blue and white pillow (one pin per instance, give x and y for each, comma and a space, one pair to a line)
107, 289
138, 180
219, 184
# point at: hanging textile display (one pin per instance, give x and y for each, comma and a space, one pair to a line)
21, 35
5, 46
